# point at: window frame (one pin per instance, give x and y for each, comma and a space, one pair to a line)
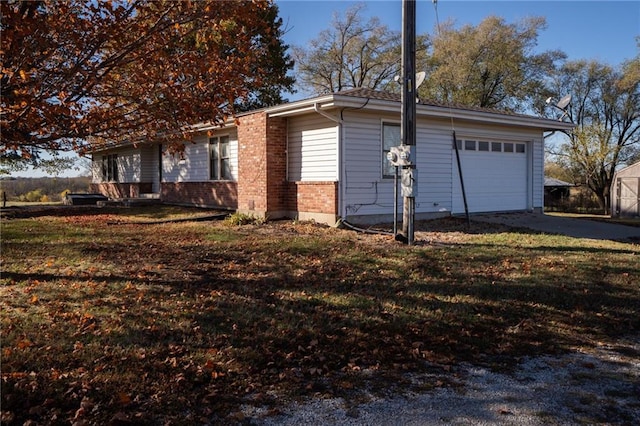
385, 164
217, 161
110, 168
493, 146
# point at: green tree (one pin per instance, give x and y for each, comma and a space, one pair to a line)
273, 66
351, 53
605, 108
492, 65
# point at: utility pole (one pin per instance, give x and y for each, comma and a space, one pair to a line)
409, 178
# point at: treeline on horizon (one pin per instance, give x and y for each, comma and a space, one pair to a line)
42, 189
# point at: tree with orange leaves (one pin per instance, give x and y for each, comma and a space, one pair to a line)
77, 74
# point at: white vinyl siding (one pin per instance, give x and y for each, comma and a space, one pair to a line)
537, 170
312, 149
434, 167
367, 192
149, 164
194, 164
96, 168
129, 165
495, 180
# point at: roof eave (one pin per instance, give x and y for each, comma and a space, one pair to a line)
331, 101
298, 107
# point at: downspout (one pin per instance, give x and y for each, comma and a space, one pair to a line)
531, 175
341, 206
286, 154
317, 109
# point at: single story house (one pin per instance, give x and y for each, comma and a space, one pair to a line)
625, 192
324, 159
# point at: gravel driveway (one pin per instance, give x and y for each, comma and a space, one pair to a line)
597, 387
573, 227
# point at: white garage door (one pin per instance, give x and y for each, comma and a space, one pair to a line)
495, 176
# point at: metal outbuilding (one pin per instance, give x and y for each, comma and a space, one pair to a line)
625, 192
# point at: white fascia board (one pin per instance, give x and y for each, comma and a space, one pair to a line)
203, 127
433, 111
494, 118
298, 107
427, 111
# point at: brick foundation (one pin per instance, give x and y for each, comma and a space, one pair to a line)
121, 190
313, 201
205, 194
316, 197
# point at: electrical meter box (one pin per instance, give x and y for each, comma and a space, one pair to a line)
400, 155
409, 182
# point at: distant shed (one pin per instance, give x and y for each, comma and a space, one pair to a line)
556, 191
625, 192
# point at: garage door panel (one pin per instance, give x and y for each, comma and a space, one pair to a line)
494, 181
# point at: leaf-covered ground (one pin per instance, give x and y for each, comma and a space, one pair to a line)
107, 320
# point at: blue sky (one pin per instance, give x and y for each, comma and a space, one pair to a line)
602, 30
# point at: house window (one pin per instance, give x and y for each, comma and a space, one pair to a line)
110, 168
520, 148
483, 146
390, 137
508, 147
469, 145
496, 147
219, 159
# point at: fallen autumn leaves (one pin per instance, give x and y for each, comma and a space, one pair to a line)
185, 322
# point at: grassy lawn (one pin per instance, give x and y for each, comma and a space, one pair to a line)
108, 320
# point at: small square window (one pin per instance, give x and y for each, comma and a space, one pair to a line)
496, 146
483, 146
458, 144
469, 145
508, 147
520, 148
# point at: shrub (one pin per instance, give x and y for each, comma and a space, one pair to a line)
32, 196
239, 219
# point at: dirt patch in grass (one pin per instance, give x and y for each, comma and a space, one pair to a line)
187, 322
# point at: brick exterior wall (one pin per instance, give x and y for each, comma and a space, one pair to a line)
121, 190
262, 165
204, 194
262, 188
313, 197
